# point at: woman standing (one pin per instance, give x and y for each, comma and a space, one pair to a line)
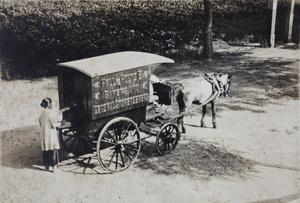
49, 140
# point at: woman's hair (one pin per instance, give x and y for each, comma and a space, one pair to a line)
46, 102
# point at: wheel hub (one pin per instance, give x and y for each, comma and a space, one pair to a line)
120, 147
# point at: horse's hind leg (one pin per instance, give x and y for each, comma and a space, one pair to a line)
213, 111
202, 124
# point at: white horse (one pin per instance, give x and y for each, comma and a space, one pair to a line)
202, 91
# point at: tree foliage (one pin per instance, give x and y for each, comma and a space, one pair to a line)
34, 35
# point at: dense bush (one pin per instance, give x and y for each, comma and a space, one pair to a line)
34, 35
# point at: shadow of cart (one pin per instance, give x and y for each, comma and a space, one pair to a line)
20, 148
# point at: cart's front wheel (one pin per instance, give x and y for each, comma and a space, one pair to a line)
119, 144
167, 138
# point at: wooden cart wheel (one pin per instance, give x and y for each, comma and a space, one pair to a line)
74, 142
167, 138
119, 144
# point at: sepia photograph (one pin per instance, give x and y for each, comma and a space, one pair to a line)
152, 101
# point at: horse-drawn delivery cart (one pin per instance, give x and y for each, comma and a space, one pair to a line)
105, 100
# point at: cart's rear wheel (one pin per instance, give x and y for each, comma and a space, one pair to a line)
167, 138
119, 144
74, 142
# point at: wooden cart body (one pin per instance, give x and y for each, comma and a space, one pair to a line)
105, 99
100, 88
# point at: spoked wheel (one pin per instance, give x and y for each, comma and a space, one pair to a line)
167, 138
75, 142
119, 144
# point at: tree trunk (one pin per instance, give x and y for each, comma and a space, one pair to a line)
289, 22
207, 39
272, 6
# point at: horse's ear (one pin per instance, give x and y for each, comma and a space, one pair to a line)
229, 76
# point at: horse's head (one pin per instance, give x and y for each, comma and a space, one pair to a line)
224, 79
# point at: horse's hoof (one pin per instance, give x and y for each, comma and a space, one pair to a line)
215, 126
183, 130
203, 126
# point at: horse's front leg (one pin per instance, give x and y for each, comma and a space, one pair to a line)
180, 124
202, 124
213, 111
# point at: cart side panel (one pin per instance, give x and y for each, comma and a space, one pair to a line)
66, 87
73, 87
81, 100
88, 84
138, 115
120, 92
60, 89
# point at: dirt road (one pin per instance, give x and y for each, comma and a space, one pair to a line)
253, 155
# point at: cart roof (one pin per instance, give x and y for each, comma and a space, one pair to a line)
116, 62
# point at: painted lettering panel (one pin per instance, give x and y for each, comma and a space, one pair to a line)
119, 92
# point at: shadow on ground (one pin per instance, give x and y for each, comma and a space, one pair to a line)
195, 159
255, 80
287, 198
20, 148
